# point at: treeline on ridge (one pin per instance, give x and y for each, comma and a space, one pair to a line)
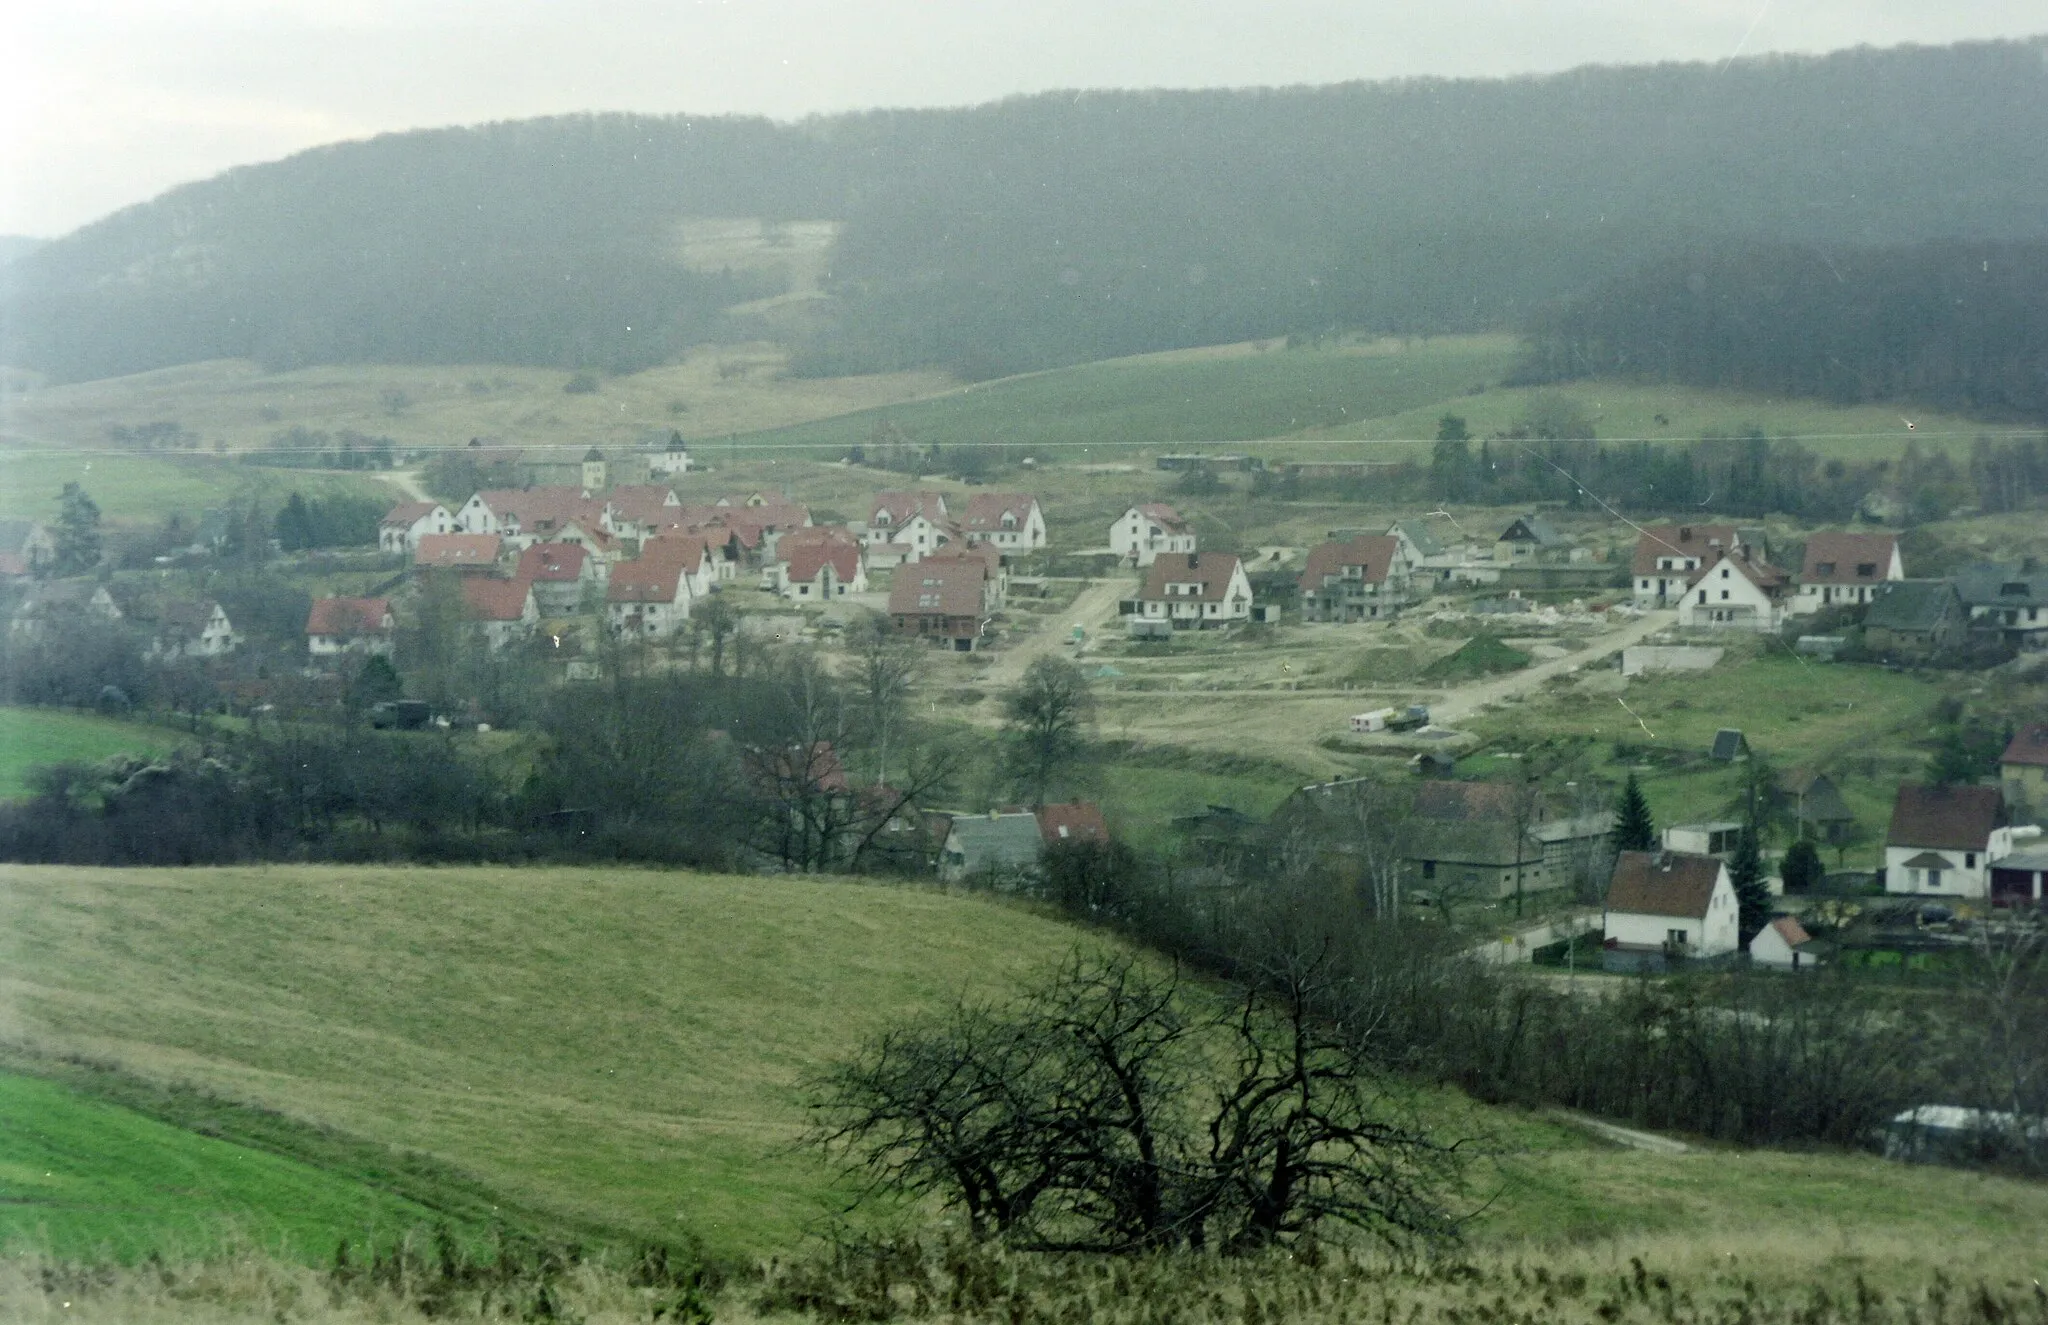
1043, 230
1961, 326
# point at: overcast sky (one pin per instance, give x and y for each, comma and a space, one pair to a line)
104, 103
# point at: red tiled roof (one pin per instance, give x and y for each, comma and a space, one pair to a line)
806, 551
545, 510
1164, 516
553, 563
1464, 800
406, 513
491, 599
686, 548
1211, 570
902, 506
984, 553
1760, 573
2029, 746
647, 579
13, 563
933, 587
1078, 821
1833, 558
1686, 540
1663, 883
457, 550
1790, 930
1951, 818
348, 616
643, 503
985, 511
1374, 552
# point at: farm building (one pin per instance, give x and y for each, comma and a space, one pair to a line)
1664, 906
1844, 570
1943, 840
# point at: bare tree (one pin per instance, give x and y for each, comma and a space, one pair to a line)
886, 668
1047, 714
1090, 1115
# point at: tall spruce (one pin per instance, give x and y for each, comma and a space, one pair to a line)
78, 531
1634, 829
1752, 895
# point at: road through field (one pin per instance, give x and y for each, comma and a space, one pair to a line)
1461, 703
1094, 611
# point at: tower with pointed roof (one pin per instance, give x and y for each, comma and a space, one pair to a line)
593, 472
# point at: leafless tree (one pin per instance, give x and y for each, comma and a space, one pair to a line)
886, 668
1047, 713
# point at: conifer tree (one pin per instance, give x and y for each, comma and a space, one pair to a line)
1634, 830
78, 531
1752, 895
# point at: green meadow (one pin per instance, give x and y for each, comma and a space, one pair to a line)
31, 737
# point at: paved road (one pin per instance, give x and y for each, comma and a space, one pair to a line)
1460, 704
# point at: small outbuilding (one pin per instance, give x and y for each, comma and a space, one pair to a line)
1784, 945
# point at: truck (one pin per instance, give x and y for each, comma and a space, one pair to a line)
1413, 717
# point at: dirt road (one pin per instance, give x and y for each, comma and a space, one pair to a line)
406, 481
1094, 611
1460, 704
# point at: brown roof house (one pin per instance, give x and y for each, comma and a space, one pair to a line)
504, 611
1943, 840
1667, 556
1075, 821
648, 597
1667, 905
405, 524
563, 575
946, 601
1197, 591
466, 553
1009, 520
2023, 768
191, 630
1784, 945
1914, 618
1735, 591
820, 564
1141, 533
349, 625
1461, 838
1844, 570
1360, 579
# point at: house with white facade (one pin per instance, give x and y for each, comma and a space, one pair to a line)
405, 524
672, 459
1361, 579
563, 575
1844, 570
1942, 841
336, 626
648, 597
1784, 945
504, 611
1195, 591
1668, 556
1664, 906
1735, 592
905, 527
819, 565
1141, 533
1011, 521
192, 630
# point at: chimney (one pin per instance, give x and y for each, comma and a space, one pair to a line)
1684, 533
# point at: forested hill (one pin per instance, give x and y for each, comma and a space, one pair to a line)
1041, 230
1960, 325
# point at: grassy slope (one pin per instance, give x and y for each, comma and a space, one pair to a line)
83, 1178
622, 1046
29, 737
142, 489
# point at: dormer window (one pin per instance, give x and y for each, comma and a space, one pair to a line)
2013, 589
1866, 569
1824, 568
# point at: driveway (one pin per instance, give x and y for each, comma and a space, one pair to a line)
1093, 611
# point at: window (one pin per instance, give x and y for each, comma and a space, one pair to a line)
1675, 937
1969, 860
1824, 568
1429, 869
1724, 595
1933, 880
1703, 595
1866, 569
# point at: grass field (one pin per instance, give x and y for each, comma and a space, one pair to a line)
144, 489
84, 1179
31, 737
622, 1047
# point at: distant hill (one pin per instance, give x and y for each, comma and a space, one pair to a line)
17, 246
1037, 231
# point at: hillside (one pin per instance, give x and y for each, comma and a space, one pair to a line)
622, 1047
1035, 231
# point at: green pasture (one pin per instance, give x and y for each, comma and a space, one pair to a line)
144, 489
32, 737
1159, 402
82, 1178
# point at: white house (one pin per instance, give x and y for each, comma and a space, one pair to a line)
820, 565
349, 625
1668, 556
648, 597
1784, 945
503, 610
1143, 532
405, 524
1009, 520
1668, 904
1195, 591
675, 459
1844, 570
1943, 840
1734, 593
193, 630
